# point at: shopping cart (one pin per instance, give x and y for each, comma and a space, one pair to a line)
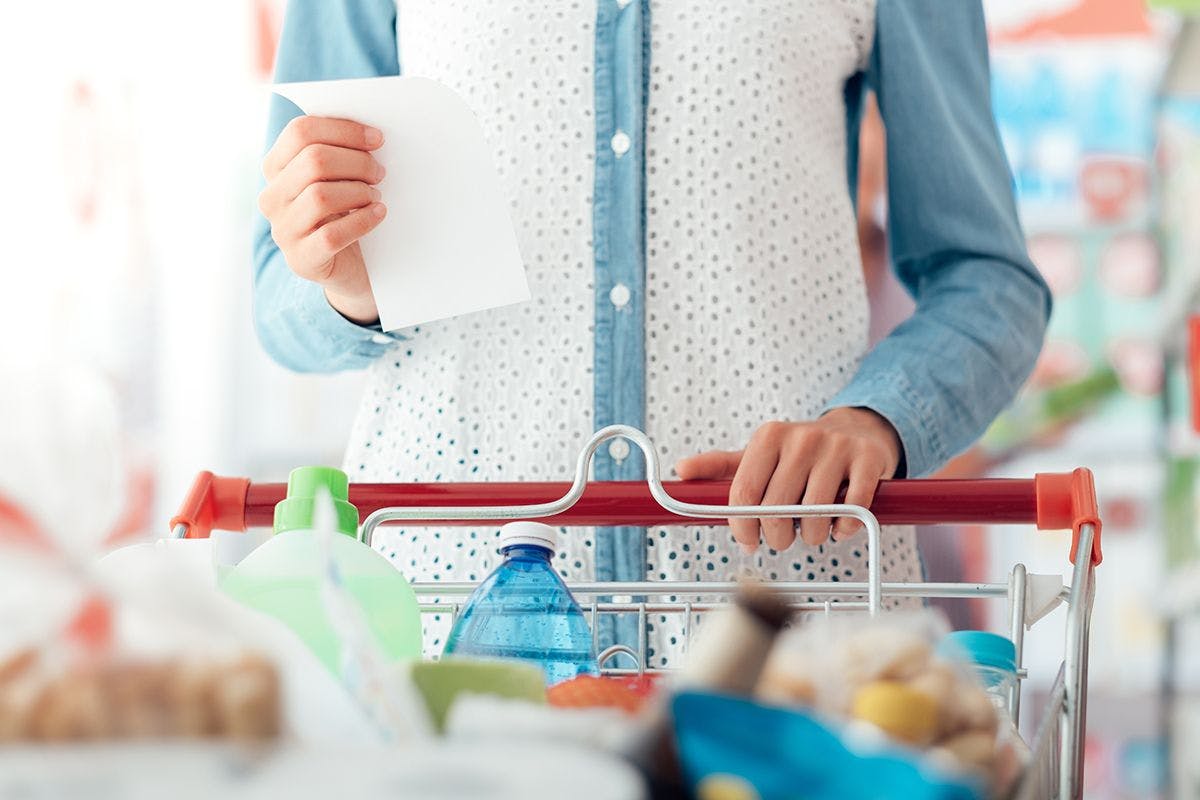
1049, 501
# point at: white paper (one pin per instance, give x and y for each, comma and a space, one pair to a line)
447, 245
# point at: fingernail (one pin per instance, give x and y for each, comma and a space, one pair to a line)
379, 172
378, 209
747, 548
841, 533
373, 137
375, 194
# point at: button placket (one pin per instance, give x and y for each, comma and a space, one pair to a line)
619, 359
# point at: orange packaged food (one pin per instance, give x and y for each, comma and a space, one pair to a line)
589, 691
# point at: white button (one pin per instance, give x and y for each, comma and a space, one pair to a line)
618, 449
622, 3
621, 143
382, 338
619, 297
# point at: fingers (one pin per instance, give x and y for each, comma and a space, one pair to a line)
320, 246
316, 163
751, 479
714, 465
785, 488
304, 131
323, 201
320, 199
822, 487
865, 475
787, 463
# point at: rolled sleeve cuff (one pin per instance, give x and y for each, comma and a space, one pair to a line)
302, 332
314, 310
893, 397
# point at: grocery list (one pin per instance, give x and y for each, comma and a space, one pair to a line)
447, 246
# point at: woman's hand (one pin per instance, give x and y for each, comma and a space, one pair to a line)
803, 462
321, 199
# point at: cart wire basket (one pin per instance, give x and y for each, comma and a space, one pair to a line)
1048, 501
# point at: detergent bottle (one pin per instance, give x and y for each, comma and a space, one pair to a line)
286, 576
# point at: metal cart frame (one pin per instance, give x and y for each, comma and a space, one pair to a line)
1050, 501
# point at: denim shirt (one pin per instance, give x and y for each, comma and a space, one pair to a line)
955, 240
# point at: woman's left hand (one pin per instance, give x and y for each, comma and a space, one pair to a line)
803, 462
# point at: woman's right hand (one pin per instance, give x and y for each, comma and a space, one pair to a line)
321, 199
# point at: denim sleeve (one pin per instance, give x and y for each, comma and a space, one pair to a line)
296, 325
981, 307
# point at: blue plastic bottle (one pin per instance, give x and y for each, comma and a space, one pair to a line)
523, 610
994, 658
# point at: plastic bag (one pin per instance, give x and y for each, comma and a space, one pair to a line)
773, 753
884, 675
140, 644
170, 607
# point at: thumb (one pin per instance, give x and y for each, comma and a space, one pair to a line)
713, 465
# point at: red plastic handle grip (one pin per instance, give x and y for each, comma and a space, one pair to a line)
214, 502
1051, 502
1068, 500
630, 503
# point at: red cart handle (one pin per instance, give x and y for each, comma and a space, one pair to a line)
1050, 501
215, 502
1193, 371
1068, 500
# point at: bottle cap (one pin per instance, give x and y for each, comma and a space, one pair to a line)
537, 534
982, 648
296, 511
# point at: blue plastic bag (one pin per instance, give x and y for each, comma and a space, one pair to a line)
776, 753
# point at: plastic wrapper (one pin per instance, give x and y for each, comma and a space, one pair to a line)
770, 752
884, 677
136, 643
140, 645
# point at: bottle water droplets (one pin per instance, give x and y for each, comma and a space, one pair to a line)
524, 611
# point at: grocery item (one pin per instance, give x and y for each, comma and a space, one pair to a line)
167, 608
590, 691
993, 657
286, 576
441, 683
734, 644
890, 672
905, 713
645, 685
786, 753
227, 549
523, 610
728, 656
43, 701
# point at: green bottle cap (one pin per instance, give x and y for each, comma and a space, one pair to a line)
296, 512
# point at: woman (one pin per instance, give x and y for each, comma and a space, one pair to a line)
679, 176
